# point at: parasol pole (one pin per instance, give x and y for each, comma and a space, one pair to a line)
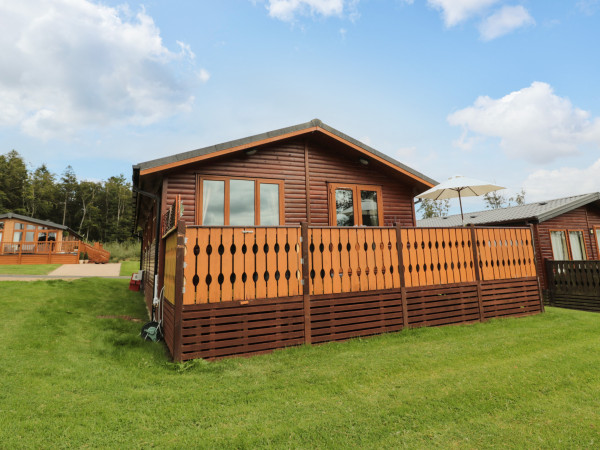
462, 217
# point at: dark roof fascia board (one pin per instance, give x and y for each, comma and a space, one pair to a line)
313, 125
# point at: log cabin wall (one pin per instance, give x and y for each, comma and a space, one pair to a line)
328, 161
583, 218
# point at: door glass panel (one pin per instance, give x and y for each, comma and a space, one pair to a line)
29, 236
559, 245
577, 245
598, 238
269, 204
241, 202
344, 207
213, 202
52, 236
17, 236
368, 205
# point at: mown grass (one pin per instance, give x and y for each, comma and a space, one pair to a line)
27, 269
129, 267
71, 379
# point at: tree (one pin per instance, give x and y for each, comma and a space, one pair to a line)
40, 194
496, 200
434, 208
13, 182
67, 191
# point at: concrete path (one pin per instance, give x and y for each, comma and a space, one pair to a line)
87, 270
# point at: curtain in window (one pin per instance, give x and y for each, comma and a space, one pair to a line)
577, 245
559, 245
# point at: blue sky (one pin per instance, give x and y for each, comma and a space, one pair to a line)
505, 91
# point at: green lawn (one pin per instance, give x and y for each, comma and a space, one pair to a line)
71, 379
28, 269
129, 267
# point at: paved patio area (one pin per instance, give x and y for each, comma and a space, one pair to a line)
87, 270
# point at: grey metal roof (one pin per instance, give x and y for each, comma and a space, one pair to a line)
274, 134
538, 211
45, 223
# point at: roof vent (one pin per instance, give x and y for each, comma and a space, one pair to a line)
472, 217
543, 203
444, 218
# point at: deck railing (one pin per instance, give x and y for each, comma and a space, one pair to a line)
246, 263
11, 248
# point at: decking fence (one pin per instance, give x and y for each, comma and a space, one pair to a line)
574, 284
46, 252
253, 289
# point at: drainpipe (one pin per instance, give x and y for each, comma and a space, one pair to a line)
157, 200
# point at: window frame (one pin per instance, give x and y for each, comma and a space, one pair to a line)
226, 205
356, 188
566, 232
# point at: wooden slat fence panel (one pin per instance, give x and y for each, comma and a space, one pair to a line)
505, 253
241, 263
574, 284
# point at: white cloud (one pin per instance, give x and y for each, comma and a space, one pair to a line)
562, 182
534, 124
503, 21
457, 11
66, 65
287, 10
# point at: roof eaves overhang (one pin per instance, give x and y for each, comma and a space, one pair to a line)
594, 196
214, 151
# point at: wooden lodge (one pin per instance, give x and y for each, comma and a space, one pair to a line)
26, 240
306, 235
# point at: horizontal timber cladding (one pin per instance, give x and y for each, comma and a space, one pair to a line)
328, 161
574, 284
51, 258
168, 324
232, 328
510, 297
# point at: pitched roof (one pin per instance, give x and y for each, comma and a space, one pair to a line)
45, 223
538, 212
212, 151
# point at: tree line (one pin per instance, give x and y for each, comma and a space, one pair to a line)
98, 211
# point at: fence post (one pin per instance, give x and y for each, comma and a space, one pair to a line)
179, 286
477, 272
550, 281
305, 283
537, 275
400, 245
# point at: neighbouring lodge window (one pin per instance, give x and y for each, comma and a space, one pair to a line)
18, 234
239, 201
568, 245
351, 205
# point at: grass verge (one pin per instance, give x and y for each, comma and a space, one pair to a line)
129, 267
72, 379
27, 269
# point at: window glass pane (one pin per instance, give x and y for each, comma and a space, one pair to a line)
269, 204
368, 204
29, 236
0, 235
1, 225
213, 202
559, 245
577, 245
30, 227
598, 238
41, 237
52, 236
19, 226
344, 207
241, 202
17, 236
